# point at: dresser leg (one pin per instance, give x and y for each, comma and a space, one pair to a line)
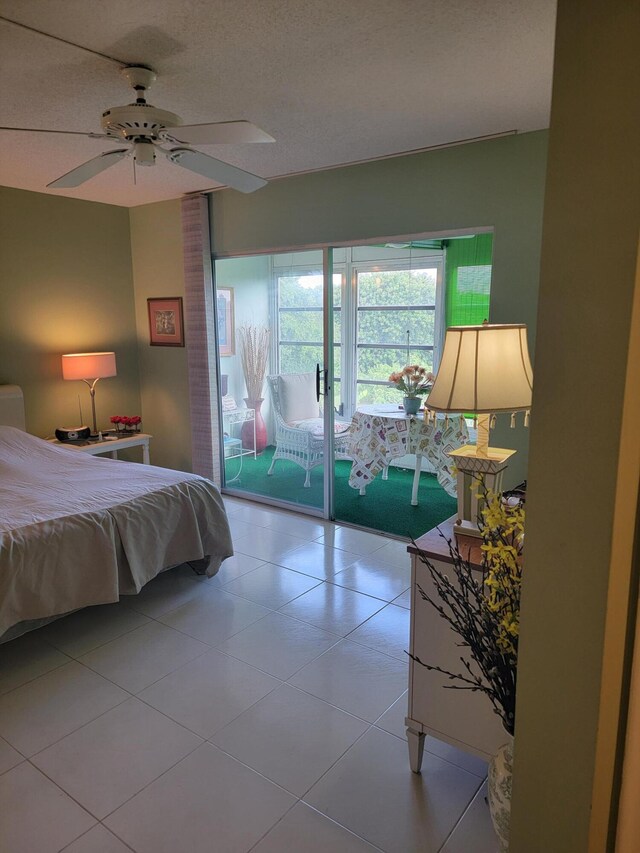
416, 749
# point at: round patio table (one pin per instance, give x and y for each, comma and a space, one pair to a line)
383, 432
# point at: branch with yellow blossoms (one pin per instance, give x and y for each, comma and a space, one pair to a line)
483, 608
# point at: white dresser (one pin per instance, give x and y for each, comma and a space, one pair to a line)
460, 717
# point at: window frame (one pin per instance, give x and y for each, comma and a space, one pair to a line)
300, 271
349, 270
433, 260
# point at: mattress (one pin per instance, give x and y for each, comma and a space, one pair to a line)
78, 530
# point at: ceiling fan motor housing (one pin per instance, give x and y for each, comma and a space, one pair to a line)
137, 121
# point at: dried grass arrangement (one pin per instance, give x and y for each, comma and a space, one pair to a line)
254, 353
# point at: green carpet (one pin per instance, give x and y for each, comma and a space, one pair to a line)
386, 505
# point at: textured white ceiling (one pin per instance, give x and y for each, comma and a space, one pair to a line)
334, 81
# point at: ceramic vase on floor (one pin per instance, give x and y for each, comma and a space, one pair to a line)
246, 433
499, 791
411, 405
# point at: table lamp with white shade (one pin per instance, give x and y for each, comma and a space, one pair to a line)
485, 370
89, 367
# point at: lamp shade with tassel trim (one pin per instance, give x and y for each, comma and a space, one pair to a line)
484, 369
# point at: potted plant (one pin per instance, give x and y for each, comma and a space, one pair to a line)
414, 381
484, 610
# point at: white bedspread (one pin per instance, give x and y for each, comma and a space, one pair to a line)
77, 530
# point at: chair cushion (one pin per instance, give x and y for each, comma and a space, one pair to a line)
316, 426
298, 397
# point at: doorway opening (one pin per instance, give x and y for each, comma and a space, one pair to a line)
328, 328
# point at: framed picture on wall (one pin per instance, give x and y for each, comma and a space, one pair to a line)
226, 324
166, 323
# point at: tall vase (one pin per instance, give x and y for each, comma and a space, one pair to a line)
499, 791
246, 433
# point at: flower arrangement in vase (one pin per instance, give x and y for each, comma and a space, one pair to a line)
124, 424
485, 613
414, 381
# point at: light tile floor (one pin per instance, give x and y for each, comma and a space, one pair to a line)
260, 710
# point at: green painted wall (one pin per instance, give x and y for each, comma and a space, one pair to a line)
495, 184
65, 286
71, 271
156, 249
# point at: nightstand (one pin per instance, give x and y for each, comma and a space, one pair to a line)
110, 446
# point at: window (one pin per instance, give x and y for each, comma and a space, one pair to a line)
300, 322
469, 303
389, 310
397, 320
468, 280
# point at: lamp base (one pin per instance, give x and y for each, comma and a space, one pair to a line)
475, 472
462, 527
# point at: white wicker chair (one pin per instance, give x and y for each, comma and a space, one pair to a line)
299, 424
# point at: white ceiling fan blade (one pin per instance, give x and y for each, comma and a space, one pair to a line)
66, 132
219, 133
216, 170
89, 169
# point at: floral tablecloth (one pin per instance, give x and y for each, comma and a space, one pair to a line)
379, 437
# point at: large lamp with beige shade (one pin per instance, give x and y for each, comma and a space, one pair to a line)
485, 370
89, 367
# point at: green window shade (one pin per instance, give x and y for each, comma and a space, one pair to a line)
468, 280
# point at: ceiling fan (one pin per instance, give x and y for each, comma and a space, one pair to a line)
146, 130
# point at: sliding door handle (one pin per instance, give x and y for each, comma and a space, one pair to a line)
325, 381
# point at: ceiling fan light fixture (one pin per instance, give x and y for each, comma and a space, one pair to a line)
144, 153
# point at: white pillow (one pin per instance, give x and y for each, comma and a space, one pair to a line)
298, 396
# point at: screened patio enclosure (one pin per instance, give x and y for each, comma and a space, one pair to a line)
330, 326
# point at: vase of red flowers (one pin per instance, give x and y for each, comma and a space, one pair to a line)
125, 425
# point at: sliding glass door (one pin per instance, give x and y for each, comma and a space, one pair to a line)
307, 341
274, 314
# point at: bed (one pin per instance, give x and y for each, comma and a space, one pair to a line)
79, 530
